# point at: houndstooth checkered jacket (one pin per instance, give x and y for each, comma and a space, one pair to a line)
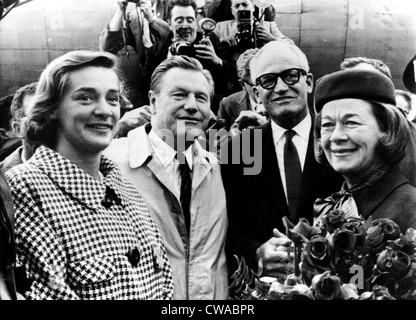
75, 248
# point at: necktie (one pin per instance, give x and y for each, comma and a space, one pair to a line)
293, 172
186, 189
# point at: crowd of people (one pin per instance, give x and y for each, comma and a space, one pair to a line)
149, 190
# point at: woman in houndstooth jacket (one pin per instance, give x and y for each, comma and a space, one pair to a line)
82, 230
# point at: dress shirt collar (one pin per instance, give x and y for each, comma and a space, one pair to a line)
302, 129
164, 152
141, 148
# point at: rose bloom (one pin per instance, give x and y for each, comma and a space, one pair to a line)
304, 228
349, 292
317, 254
326, 286
333, 220
343, 240
406, 243
356, 226
396, 263
379, 232
381, 293
301, 292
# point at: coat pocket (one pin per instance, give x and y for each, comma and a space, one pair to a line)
91, 271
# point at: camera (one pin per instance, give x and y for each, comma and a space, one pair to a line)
245, 27
181, 46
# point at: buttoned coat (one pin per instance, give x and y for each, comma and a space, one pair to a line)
72, 246
198, 263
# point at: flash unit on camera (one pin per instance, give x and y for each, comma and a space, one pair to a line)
207, 24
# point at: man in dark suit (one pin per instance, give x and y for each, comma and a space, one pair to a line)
241, 109
263, 188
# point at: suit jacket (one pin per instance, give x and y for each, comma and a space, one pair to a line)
7, 244
256, 203
390, 197
231, 106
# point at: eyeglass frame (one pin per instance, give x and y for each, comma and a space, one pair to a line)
279, 75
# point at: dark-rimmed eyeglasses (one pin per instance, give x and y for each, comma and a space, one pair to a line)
290, 77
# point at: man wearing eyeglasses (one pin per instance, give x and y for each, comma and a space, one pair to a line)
290, 179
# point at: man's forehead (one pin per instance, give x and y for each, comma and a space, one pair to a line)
280, 55
183, 11
179, 77
234, 2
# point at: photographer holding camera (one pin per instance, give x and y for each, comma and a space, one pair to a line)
245, 31
137, 24
185, 39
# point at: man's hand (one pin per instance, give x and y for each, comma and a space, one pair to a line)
133, 119
231, 41
205, 51
248, 119
121, 4
262, 34
273, 256
146, 7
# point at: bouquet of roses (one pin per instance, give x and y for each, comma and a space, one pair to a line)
338, 259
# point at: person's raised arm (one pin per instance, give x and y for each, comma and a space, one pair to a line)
116, 21
159, 25
111, 38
